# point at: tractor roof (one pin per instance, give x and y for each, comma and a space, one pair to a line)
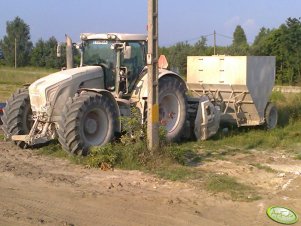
116, 36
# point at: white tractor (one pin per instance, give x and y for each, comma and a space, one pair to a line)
82, 106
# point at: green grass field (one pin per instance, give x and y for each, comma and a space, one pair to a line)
11, 78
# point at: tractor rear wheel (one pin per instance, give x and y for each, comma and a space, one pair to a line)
88, 119
172, 107
17, 116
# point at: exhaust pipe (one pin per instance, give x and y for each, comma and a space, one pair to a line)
69, 53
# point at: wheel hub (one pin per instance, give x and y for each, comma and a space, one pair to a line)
90, 126
169, 111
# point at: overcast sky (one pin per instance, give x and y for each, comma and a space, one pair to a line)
178, 20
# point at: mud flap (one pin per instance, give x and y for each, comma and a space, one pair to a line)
207, 119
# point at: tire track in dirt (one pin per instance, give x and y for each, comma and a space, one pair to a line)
42, 190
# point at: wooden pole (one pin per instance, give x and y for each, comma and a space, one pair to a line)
15, 53
214, 34
152, 64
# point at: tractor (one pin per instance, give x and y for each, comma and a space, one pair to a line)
82, 106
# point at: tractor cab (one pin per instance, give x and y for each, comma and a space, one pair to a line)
122, 57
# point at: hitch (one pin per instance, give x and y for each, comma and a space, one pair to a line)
34, 137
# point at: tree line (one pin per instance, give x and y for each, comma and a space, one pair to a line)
42, 54
283, 42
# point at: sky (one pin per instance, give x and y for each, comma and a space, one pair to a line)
178, 20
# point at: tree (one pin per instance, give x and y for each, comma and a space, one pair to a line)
200, 47
38, 54
19, 30
239, 37
44, 54
285, 44
50, 53
178, 57
239, 45
290, 49
260, 45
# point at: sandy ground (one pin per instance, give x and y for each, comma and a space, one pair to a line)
41, 190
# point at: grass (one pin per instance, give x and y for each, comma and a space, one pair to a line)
22, 75
11, 78
298, 156
229, 186
285, 136
165, 165
240, 139
263, 167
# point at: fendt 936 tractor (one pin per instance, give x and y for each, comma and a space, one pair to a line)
81, 106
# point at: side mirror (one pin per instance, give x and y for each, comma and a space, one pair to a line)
78, 46
127, 52
59, 50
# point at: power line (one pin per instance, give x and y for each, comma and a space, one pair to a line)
197, 38
225, 36
207, 35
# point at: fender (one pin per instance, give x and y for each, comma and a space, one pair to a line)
141, 89
140, 93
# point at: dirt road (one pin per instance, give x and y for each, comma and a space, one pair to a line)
41, 190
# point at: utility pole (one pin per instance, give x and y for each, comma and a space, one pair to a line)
152, 65
15, 53
214, 44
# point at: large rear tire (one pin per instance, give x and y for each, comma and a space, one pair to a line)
88, 119
17, 116
172, 107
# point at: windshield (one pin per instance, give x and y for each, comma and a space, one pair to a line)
97, 52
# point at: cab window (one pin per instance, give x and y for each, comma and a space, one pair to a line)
136, 63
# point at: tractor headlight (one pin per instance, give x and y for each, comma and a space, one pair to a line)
111, 36
83, 37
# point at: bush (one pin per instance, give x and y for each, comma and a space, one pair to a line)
131, 152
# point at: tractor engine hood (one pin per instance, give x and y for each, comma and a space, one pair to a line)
45, 91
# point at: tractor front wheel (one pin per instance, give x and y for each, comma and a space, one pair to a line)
17, 116
88, 119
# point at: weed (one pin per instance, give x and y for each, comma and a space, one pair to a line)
132, 127
277, 97
175, 173
228, 185
298, 156
103, 154
263, 167
183, 155
53, 149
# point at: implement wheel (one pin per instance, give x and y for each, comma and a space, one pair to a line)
271, 116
